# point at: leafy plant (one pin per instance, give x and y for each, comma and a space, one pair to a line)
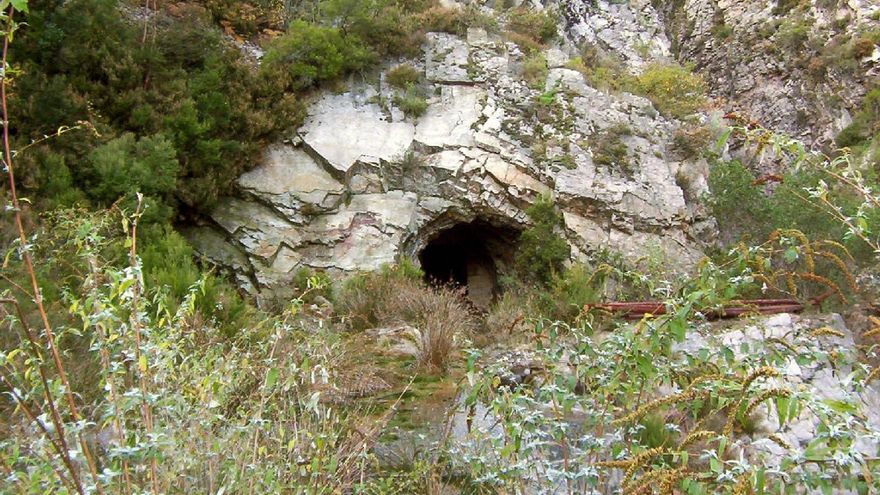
674, 90
310, 55
541, 252
412, 102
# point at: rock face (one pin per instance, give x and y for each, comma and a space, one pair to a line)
362, 184
791, 66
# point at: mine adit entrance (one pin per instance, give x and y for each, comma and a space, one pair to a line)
470, 255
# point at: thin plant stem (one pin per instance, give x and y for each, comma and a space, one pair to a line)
61, 442
65, 457
108, 377
28, 260
143, 369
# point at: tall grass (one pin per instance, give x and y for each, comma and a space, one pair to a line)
397, 296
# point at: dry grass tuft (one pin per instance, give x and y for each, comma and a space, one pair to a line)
398, 296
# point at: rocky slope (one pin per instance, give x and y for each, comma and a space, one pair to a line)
796, 66
361, 184
799, 67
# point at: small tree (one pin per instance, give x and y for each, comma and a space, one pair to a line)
310, 54
542, 252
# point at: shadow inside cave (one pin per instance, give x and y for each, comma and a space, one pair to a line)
470, 255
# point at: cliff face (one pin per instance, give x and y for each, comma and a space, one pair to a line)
362, 184
796, 66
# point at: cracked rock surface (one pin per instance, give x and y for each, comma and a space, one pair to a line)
362, 185
745, 52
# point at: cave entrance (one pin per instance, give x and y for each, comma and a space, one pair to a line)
470, 255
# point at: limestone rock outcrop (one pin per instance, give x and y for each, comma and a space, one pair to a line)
790, 66
361, 184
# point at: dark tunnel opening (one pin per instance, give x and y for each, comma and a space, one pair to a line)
470, 255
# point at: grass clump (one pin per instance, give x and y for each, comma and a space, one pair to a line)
609, 149
453, 20
539, 27
412, 102
397, 295
402, 76
535, 71
692, 141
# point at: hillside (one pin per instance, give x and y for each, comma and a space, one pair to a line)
420, 246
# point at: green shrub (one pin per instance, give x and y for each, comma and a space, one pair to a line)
169, 269
404, 269
310, 55
722, 31
692, 141
311, 285
390, 28
674, 90
412, 102
443, 20
542, 253
403, 76
525, 43
84, 61
783, 7
743, 209
852, 135
569, 292
736, 203
865, 125
537, 26
865, 43
51, 180
792, 35
126, 165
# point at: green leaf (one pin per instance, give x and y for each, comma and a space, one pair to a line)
271, 378
791, 255
841, 406
722, 141
678, 327
20, 5
782, 407
760, 480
